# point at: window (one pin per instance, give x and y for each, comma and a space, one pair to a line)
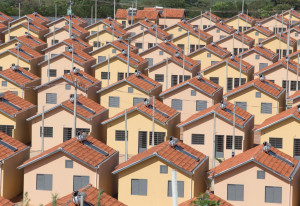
51, 98
150, 45
276, 142
193, 92
124, 23
114, 51
222, 36
213, 62
12, 37
4, 83
54, 42
137, 100
139, 45
68, 86
139, 187
242, 105
219, 146
101, 59
256, 33
235, 192
52, 72
214, 79
48, 131
54, 55
176, 104
67, 132
150, 61
294, 85
235, 51
262, 65
180, 187
7, 129
218, 30
229, 84
66, 71
161, 53
114, 102
260, 39
80, 182
104, 75
192, 48
1, 68
44, 182
69, 163
181, 46
261, 174
257, 56
201, 105
208, 55
103, 26
198, 139
273, 194
159, 77
163, 169
237, 143
266, 108
205, 26
179, 29
159, 137
130, 89
174, 80
96, 44
297, 149
120, 76
186, 77
120, 135
258, 94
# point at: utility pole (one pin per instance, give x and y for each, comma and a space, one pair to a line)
49, 55
92, 12
126, 137
75, 107
108, 76
174, 187
96, 10
28, 25
114, 9
70, 15
297, 83
98, 36
131, 13
153, 119
128, 58
214, 141
233, 134
183, 66
19, 10
167, 65
287, 62
8, 31
209, 17
43, 118
143, 28
72, 56
18, 46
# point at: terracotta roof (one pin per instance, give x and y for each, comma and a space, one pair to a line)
163, 113
35, 27
243, 37
4, 17
265, 52
296, 28
79, 56
283, 37
294, 13
224, 27
294, 54
77, 43
247, 18
77, 30
5, 151
93, 107
5, 202
20, 105
212, 197
194, 30
91, 198
213, 17
260, 29
84, 80
121, 14
170, 47
153, 27
134, 59
26, 52
110, 20
216, 49
189, 63
38, 18
265, 86
226, 113
169, 154
283, 63
202, 84
76, 20
19, 76
292, 112
122, 44
77, 149
31, 41
142, 14
173, 13
295, 95
259, 156
3, 26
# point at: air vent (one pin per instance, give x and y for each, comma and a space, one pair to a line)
82, 137
93, 147
223, 104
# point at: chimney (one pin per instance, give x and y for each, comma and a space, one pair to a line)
199, 75
223, 104
173, 141
146, 19
221, 22
298, 108
137, 73
82, 137
146, 102
34, 13
77, 197
266, 147
262, 77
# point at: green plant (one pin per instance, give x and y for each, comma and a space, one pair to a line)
203, 200
219, 160
54, 199
99, 197
25, 200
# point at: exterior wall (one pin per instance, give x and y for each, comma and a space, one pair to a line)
228, 44
104, 37
157, 184
106, 51
148, 39
202, 21
59, 35
189, 102
12, 178
7, 46
202, 57
6, 120
18, 31
136, 29
188, 40
254, 104
96, 28
205, 126
55, 165
273, 45
154, 54
273, 23
175, 32
58, 25
236, 22
54, 119
293, 18
166, 22
20, 21
282, 130
7, 59
296, 36
11, 87
256, 38
217, 35
254, 189
296, 102
250, 57
55, 50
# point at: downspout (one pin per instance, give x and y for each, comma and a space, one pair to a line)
289, 193
96, 179
191, 196
1, 163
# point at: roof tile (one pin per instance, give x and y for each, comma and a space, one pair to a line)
19, 76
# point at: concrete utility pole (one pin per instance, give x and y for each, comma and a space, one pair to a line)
214, 142
128, 57
143, 28
96, 10
297, 84
126, 137
167, 69
43, 118
287, 62
75, 107
18, 46
233, 132
108, 76
70, 15
114, 9
19, 10
153, 120
49, 55
174, 188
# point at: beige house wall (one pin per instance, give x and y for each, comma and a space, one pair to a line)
296, 102
166, 22
296, 36
273, 23
106, 51
204, 59
136, 29
229, 43
7, 59
155, 55
148, 39
217, 33
188, 40
254, 34
59, 35
273, 45
202, 21
237, 22
251, 58
18, 31
104, 37
58, 25
55, 50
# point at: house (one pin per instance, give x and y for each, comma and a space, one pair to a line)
259, 56
279, 41
160, 52
57, 129
24, 57
147, 176
63, 63
260, 97
220, 30
209, 130
295, 16
13, 153
64, 45
294, 33
19, 81
240, 22
258, 33
294, 56
34, 28
128, 92
4, 19
27, 40
64, 21
103, 23
3, 27
169, 16
295, 98
262, 175
277, 131
174, 70
106, 35
276, 23
205, 20
117, 67
13, 113
63, 33
91, 198
139, 126
236, 43
65, 163
285, 73
192, 96
229, 73
6, 202
209, 55
59, 89
112, 49
211, 197
36, 17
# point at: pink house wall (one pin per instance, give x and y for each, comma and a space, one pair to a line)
250, 58
228, 44
59, 35
215, 34
154, 54
148, 38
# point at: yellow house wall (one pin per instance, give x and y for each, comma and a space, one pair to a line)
235, 23
287, 130
273, 45
59, 35
7, 46
55, 50
18, 31
256, 38
296, 36
255, 62
106, 51
120, 21
95, 28
103, 37
254, 104
5, 120
165, 22
293, 18
175, 32
136, 29
188, 40
205, 61
20, 21
148, 38
58, 25
296, 102
6, 59
11, 87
